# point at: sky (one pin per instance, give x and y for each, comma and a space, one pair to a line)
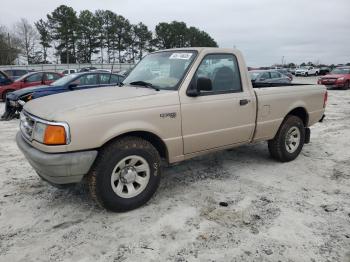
266, 31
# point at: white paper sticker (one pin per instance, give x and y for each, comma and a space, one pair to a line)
185, 56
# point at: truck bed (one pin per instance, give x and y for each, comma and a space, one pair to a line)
277, 101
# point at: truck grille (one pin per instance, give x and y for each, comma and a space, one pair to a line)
27, 124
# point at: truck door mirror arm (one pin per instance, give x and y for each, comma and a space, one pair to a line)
192, 90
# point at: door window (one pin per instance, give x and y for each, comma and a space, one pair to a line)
108, 79
19, 72
86, 80
265, 76
223, 71
52, 76
35, 78
275, 75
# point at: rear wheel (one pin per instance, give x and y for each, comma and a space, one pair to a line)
306, 74
125, 175
289, 140
316, 73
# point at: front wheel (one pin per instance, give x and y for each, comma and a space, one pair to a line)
346, 85
289, 140
125, 175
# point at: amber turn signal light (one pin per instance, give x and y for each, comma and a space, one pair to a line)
55, 135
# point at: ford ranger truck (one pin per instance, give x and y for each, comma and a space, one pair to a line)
174, 105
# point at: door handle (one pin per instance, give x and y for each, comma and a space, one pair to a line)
243, 102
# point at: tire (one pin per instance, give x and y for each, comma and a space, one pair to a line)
306, 74
125, 174
316, 73
289, 140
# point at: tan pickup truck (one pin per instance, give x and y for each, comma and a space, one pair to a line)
176, 104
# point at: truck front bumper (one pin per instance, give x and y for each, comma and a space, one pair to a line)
57, 168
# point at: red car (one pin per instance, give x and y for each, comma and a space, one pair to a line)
338, 78
30, 79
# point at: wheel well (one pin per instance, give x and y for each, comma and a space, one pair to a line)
300, 112
156, 141
5, 92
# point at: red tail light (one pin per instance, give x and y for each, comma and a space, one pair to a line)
325, 98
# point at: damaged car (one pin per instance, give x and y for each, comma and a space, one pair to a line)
78, 81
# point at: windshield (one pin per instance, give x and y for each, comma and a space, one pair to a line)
164, 70
254, 75
341, 71
64, 80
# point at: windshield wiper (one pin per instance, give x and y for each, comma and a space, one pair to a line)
145, 84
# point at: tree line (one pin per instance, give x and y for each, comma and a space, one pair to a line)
85, 37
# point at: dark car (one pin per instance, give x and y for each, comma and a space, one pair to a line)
77, 81
324, 71
17, 73
28, 80
261, 78
4, 79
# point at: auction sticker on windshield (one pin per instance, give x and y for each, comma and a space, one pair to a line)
185, 56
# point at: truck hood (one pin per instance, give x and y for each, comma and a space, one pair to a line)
85, 102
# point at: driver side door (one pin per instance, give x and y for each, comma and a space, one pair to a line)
221, 117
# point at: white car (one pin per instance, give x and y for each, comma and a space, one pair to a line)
307, 71
69, 71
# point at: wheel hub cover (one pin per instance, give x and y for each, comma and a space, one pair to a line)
128, 175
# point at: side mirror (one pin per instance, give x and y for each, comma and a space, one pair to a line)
72, 85
202, 84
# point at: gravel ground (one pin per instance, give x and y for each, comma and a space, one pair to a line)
296, 211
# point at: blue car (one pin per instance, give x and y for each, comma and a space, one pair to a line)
15, 100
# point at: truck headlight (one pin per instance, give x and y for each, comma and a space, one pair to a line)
43, 131
50, 134
39, 132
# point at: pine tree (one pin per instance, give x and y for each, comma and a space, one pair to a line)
45, 37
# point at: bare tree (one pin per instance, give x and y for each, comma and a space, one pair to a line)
9, 49
28, 37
